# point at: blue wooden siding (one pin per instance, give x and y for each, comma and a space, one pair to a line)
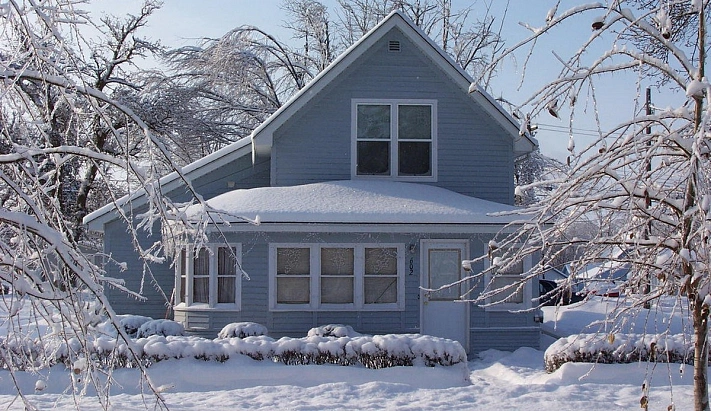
119, 244
475, 155
255, 293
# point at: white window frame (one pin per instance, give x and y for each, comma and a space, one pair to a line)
394, 152
315, 279
527, 288
186, 296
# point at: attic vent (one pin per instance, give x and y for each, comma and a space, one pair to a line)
394, 45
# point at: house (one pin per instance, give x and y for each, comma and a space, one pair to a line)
371, 184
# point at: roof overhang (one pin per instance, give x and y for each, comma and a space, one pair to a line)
95, 221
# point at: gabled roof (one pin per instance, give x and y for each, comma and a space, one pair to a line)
262, 136
260, 140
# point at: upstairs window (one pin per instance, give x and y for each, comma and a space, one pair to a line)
395, 139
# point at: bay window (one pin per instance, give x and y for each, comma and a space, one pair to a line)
209, 277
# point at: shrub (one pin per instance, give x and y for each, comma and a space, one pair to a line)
242, 330
334, 330
160, 327
619, 348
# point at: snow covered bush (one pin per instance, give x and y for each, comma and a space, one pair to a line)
242, 330
375, 352
160, 327
132, 323
334, 330
619, 349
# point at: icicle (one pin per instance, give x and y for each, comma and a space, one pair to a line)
551, 14
525, 126
552, 107
598, 22
664, 23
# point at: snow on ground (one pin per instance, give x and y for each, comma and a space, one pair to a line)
497, 380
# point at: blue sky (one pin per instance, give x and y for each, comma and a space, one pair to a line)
182, 22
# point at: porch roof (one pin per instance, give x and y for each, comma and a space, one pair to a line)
354, 201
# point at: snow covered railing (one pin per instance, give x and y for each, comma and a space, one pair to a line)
619, 349
378, 351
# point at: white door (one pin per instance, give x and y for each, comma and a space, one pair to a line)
441, 314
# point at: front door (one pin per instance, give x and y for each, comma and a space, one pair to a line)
441, 314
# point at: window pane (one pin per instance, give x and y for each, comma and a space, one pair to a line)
201, 290
373, 121
414, 122
336, 290
294, 261
380, 290
381, 261
183, 292
414, 159
444, 268
337, 261
226, 261
515, 268
202, 263
506, 296
181, 262
373, 158
182, 265
226, 289
293, 290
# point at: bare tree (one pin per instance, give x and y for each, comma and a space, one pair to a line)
648, 192
105, 70
224, 88
309, 22
60, 127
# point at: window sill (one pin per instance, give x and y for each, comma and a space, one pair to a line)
369, 308
507, 307
204, 307
406, 179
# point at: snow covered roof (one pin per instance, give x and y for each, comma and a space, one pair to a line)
262, 136
356, 201
96, 219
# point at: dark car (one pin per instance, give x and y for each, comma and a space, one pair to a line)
550, 293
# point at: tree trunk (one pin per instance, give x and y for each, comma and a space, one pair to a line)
701, 355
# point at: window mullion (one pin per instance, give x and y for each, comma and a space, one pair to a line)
212, 276
315, 276
394, 140
359, 272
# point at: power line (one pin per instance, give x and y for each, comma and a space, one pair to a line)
566, 127
577, 132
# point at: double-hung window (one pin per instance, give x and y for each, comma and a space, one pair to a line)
209, 277
336, 276
506, 279
395, 139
